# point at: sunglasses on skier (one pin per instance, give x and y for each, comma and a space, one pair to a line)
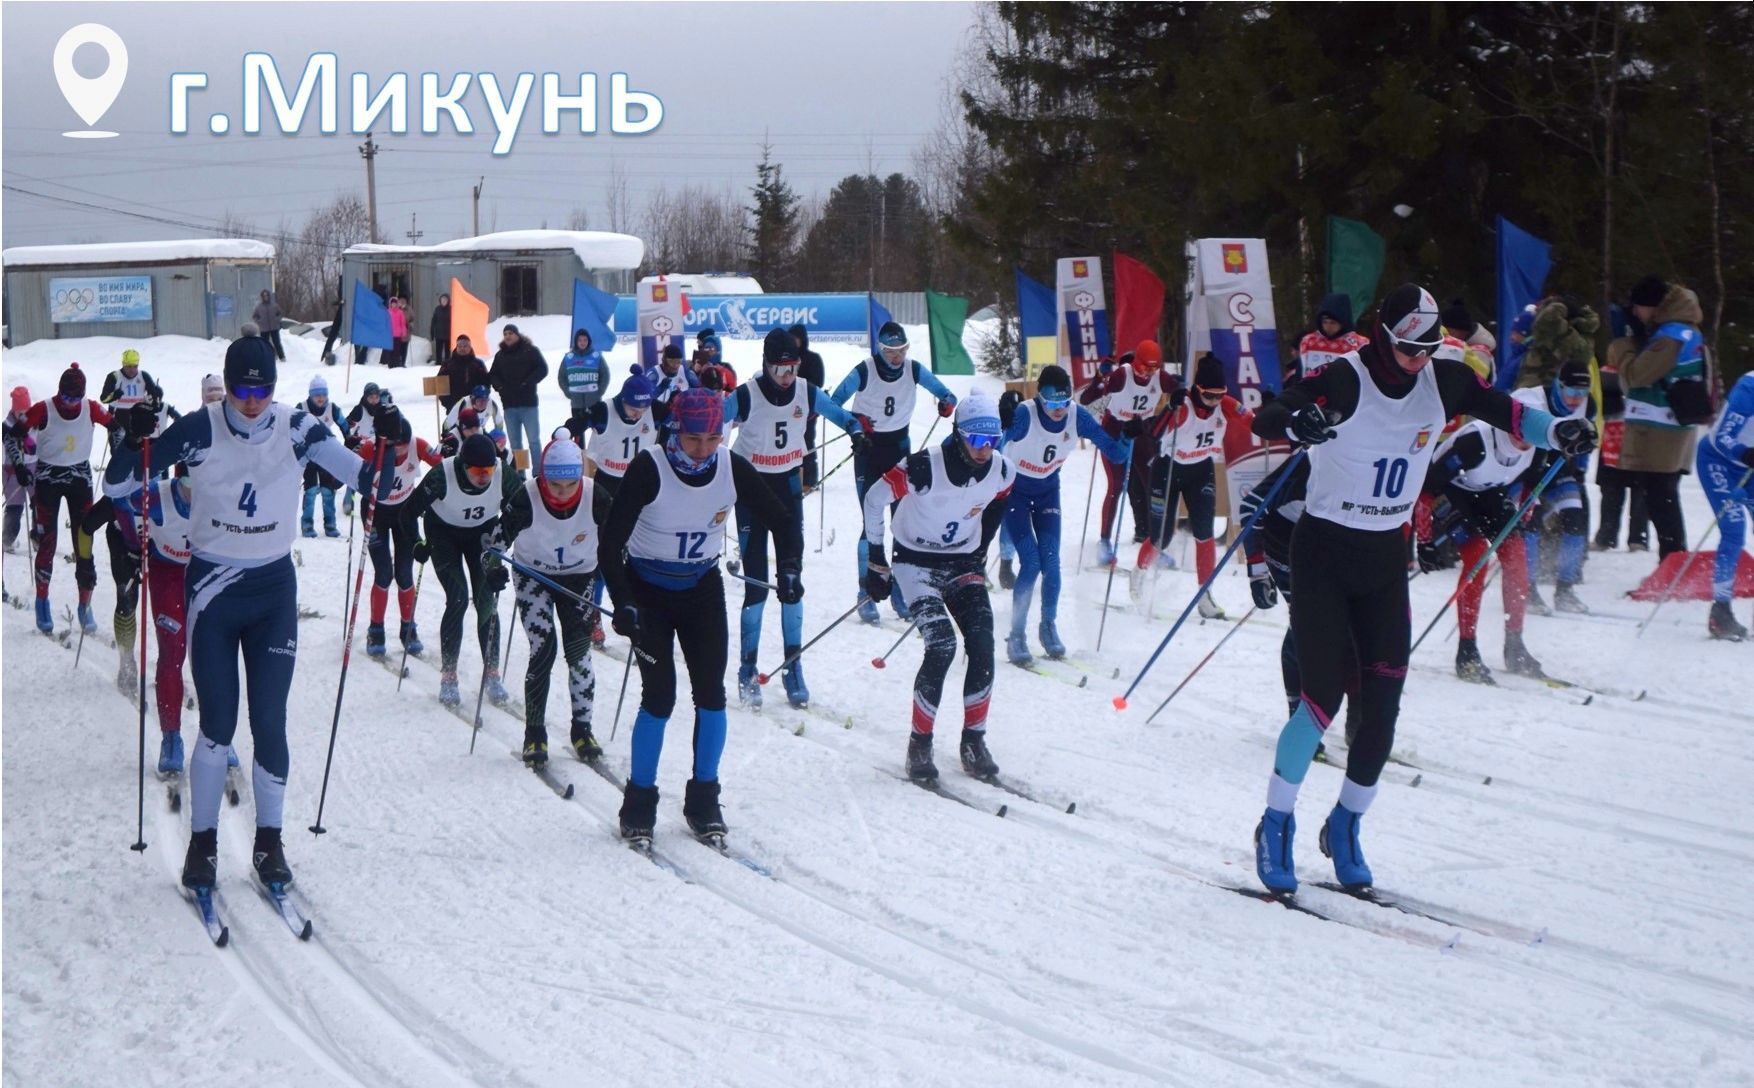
981, 441
1056, 401
252, 392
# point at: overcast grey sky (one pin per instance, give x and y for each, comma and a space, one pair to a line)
833, 84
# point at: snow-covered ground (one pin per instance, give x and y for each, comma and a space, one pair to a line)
474, 929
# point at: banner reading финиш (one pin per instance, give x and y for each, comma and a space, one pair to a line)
1083, 307
658, 319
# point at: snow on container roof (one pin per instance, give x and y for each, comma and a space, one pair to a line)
711, 283
595, 248
119, 253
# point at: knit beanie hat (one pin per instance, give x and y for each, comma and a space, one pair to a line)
20, 399
702, 411
1209, 373
250, 361
563, 460
637, 391
779, 349
478, 452
72, 381
1649, 291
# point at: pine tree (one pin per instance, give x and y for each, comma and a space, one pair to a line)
773, 224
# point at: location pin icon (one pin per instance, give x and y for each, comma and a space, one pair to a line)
91, 98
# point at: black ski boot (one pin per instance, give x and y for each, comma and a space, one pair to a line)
535, 748
639, 812
700, 807
976, 760
1535, 602
584, 745
1565, 599
201, 863
1007, 576
1518, 659
1722, 623
920, 767
270, 859
1469, 665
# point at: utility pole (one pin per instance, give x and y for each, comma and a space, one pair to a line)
475, 214
414, 235
369, 151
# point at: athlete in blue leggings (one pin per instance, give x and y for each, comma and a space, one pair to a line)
1724, 461
1041, 437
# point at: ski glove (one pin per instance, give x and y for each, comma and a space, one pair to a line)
494, 573
1572, 436
946, 406
626, 621
1261, 585
1748, 457
1310, 425
140, 421
877, 582
422, 551
1177, 397
22, 475
1432, 558
1133, 428
791, 586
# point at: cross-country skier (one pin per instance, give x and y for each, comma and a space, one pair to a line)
883, 388
317, 482
552, 524
614, 431
1724, 459
20, 447
1190, 437
1563, 504
486, 408
1042, 435
127, 386
62, 427
1132, 395
949, 501
1372, 417
461, 499
770, 413
245, 459
394, 534
659, 554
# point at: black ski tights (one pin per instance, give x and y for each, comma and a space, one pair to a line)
937, 596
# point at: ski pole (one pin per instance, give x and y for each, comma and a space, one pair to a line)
1115, 533
402, 670
835, 469
371, 513
883, 662
1492, 549
626, 671
1688, 562
1120, 701
530, 572
1491, 576
764, 677
349, 576
1196, 669
741, 577
145, 559
505, 663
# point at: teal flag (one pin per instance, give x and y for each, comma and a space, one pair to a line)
1355, 258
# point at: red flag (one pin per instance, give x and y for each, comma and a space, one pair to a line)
1138, 303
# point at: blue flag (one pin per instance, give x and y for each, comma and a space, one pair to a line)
591, 311
371, 319
1523, 263
879, 316
1037, 325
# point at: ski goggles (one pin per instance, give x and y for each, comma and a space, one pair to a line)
1056, 401
982, 441
252, 392
1414, 347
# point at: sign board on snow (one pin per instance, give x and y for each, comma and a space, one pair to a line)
659, 320
1083, 308
100, 298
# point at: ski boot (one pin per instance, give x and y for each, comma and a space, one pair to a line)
597, 635
748, 689
535, 749
1469, 664
1105, 554
201, 863
1050, 640
584, 745
1637, 545
410, 635
1565, 599
1209, 609
639, 812
1007, 576
700, 807
448, 693
797, 693
1338, 839
868, 613
496, 692
309, 531
86, 619
1536, 604
1274, 866
1517, 658
374, 640
231, 757
170, 754
1722, 623
45, 618
128, 678
1017, 648
270, 859
977, 762
920, 767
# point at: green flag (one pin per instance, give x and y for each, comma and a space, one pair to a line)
1355, 256
945, 316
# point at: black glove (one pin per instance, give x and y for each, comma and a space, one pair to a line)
387, 423
1573, 436
1748, 457
495, 574
23, 475
1432, 558
140, 420
626, 621
877, 583
1178, 397
791, 586
1133, 428
710, 378
423, 551
1310, 425
448, 445
1261, 585
1008, 407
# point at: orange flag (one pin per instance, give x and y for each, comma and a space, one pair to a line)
469, 318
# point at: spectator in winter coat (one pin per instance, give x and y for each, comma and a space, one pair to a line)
583, 373
1661, 364
810, 370
398, 355
518, 369
266, 317
333, 332
20, 464
465, 371
439, 330
1332, 337
1462, 326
